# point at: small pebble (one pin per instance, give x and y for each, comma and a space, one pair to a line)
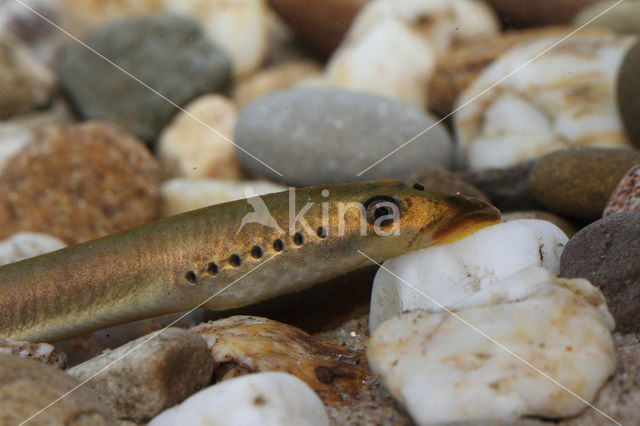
238, 27
606, 253
243, 344
448, 273
105, 181
318, 136
26, 83
393, 46
140, 379
541, 107
167, 52
442, 370
42, 352
621, 17
27, 386
280, 76
578, 183
189, 148
626, 196
322, 25
24, 245
183, 195
269, 399
628, 92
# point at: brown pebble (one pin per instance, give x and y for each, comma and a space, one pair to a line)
42, 352
626, 196
79, 183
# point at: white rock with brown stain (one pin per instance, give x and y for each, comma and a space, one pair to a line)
448, 273
442, 370
24, 245
239, 27
626, 196
393, 45
143, 377
269, 399
202, 146
181, 195
563, 98
42, 352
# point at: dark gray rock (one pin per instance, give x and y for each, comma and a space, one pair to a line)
320, 135
169, 53
607, 253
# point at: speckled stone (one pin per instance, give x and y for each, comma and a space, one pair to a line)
158, 371
28, 386
105, 181
42, 352
626, 196
167, 52
318, 136
606, 254
579, 182
628, 90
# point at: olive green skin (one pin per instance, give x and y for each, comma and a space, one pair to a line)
165, 266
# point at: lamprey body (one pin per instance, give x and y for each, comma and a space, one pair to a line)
270, 245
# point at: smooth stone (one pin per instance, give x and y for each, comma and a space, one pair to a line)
27, 386
565, 226
606, 253
439, 179
512, 120
269, 399
41, 352
167, 52
623, 17
322, 25
319, 136
578, 183
443, 370
26, 83
13, 138
105, 181
246, 344
41, 38
449, 273
280, 76
626, 196
628, 91
538, 13
380, 52
183, 195
507, 188
188, 148
24, 245
140, 379
239, 27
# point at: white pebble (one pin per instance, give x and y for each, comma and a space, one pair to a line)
182, 195
269, 399
24, 245
442, 370
452, 272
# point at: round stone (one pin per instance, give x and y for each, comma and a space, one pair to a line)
628, 91
578, 183
168, 53
317, 136
606, 253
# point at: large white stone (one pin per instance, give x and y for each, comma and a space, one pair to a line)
238, 26
24, 245
182, 195
269, 399
443, 370
563, 98
393, 45
451, 272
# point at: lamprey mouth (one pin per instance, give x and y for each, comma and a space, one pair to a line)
469, 216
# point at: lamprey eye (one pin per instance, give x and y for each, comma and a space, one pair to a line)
382, 210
